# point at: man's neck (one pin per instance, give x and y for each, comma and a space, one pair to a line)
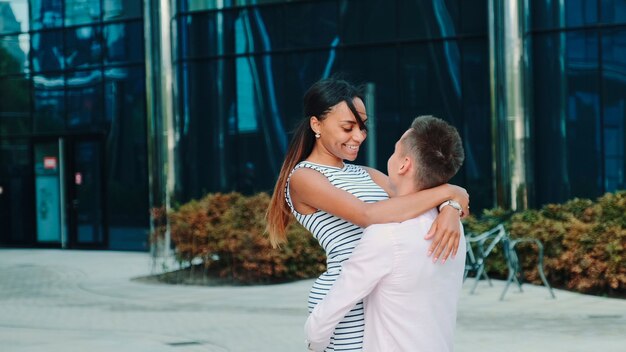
406, 187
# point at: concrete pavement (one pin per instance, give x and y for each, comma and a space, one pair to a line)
60, 300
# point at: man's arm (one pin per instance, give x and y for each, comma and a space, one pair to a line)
369, 263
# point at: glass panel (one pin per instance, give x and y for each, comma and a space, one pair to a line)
13, 16
83, 47
614, 108
48, 103
473, 18
428, 19
559, 14
17, 209
121, 9
207, 34
48, 194
87, 184
476, 172
82, 12
431, 82
311, 24
613, 11
14, 54
84, 100
15, 106
46, 13
368, 21
372, 65
566, 110
206, 145
126, 158
199, 5
47, 51
124, 43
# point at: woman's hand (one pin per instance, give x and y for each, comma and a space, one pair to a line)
460, 195
446, 234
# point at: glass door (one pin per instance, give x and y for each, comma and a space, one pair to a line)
48, 195
85, 194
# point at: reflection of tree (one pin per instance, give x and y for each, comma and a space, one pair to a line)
14, 96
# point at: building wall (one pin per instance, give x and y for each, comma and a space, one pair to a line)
243, 70
74, 70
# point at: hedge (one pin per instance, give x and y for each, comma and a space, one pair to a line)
226, 233
584, 241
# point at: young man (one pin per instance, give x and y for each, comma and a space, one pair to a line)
410, 302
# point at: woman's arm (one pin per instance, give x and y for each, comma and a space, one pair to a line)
310, 189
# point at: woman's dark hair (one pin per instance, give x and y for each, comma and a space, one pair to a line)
318, 101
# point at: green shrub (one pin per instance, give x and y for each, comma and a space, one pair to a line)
226, 232
583, 240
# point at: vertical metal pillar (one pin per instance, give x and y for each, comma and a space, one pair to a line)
510, 121
160, 113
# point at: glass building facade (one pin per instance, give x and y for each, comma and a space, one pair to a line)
84, 153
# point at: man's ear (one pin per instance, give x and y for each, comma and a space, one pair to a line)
406, 166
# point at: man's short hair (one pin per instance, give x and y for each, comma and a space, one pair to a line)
436, 147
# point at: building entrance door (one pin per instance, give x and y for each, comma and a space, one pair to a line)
69, 192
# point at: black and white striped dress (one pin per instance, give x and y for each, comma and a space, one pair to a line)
338, 237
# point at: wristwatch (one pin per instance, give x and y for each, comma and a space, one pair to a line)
453, 204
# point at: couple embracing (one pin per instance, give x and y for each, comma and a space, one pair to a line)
394, 243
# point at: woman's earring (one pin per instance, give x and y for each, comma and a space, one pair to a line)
317, 135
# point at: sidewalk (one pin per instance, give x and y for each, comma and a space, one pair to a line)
53, 300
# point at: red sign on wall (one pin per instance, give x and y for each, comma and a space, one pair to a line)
49, 162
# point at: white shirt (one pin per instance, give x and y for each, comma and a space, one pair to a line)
410, 302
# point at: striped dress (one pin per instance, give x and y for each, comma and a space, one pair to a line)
338, 237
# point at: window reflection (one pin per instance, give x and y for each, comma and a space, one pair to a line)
14, 54
14, 16
48, 103
84, 100
83, 47
47, 51
118, 9
81, 11
124, 43
614, 108
15, 105
46, 13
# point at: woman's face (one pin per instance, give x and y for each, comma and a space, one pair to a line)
340, 134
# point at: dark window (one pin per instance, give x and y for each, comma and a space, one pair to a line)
47, 51
614, 108
124, 43
428, 19
83, 47
367, 21
16, 200
126, 157
84, 100
48, 103
566, 111
562, 14
15, 106
46, 13
121, 9
82, 12
311, 24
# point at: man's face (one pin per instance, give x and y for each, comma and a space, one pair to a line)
395, 163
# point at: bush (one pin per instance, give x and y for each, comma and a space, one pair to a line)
583, 240
226, 233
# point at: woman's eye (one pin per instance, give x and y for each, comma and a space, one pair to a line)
347, 130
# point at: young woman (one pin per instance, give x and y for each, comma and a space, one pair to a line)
335, 200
